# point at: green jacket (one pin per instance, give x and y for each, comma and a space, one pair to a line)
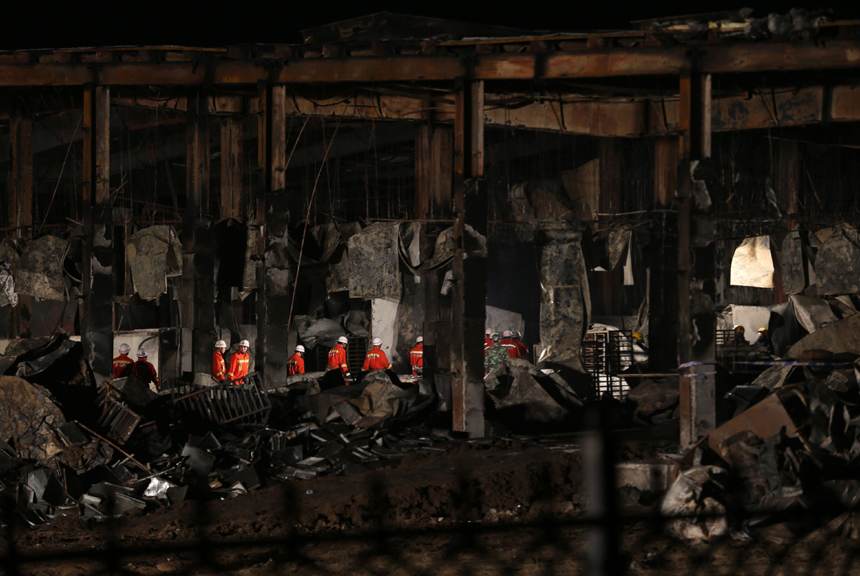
495, 357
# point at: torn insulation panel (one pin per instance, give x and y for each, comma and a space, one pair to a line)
374, 262
40, 270
153, 254
752, 264
837, 265
565, 301
619, 241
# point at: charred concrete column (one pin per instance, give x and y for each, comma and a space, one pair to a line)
20, 207
609, 286
433, 179
98, 284
197, 288
232, 205
274, 279
787, 187
470, 260
662, 260
696, 262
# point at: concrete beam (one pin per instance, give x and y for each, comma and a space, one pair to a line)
696, 266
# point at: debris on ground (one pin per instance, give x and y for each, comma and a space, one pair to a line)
784, 466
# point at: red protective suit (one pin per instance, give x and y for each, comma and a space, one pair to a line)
511, 347
239, 365
487, 343
376, 360
416, 359
524, 350
219, 366
295, 365
337, 360
122, 366
146, 373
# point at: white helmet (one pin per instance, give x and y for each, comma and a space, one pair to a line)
141, 353
300, 348
245, 343
517, 335
377, 342
488, 332
124, 349
419, 340
507, 334
220, 344
342, 340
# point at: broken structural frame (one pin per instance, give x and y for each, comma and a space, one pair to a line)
97, 78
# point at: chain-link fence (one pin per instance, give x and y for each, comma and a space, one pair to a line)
550, 516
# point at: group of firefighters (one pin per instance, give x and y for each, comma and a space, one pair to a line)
240, 361
374, 360
498, 350
511, 341
124, 366
763, 338
337, 362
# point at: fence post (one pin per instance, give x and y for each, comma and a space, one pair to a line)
598, 461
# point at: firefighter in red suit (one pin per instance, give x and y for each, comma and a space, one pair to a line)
145, 371
508, 344
487, 340
122, 364
376, 358
219, 364
416, 357
518, 340
296, 363
240, 362
337, 359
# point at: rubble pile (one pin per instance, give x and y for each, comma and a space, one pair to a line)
785, 465
141, 450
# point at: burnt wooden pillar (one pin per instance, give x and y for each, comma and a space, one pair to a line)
274, 280
469, 264
609, 286
20, 207
433, 179
787, 182
98, 283
662, 260
787, 187
696, 264
231, 169
197, 305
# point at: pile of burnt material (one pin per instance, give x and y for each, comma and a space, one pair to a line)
785, 465
117, 447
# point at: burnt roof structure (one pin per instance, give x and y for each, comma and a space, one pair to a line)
448, 94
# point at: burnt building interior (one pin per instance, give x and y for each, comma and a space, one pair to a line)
666, 214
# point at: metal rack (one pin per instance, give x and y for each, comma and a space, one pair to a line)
228, 403
605, 354
118, 420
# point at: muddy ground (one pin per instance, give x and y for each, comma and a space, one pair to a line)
474, 510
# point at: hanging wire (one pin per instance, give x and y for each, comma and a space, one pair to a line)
307, 221
60, 177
